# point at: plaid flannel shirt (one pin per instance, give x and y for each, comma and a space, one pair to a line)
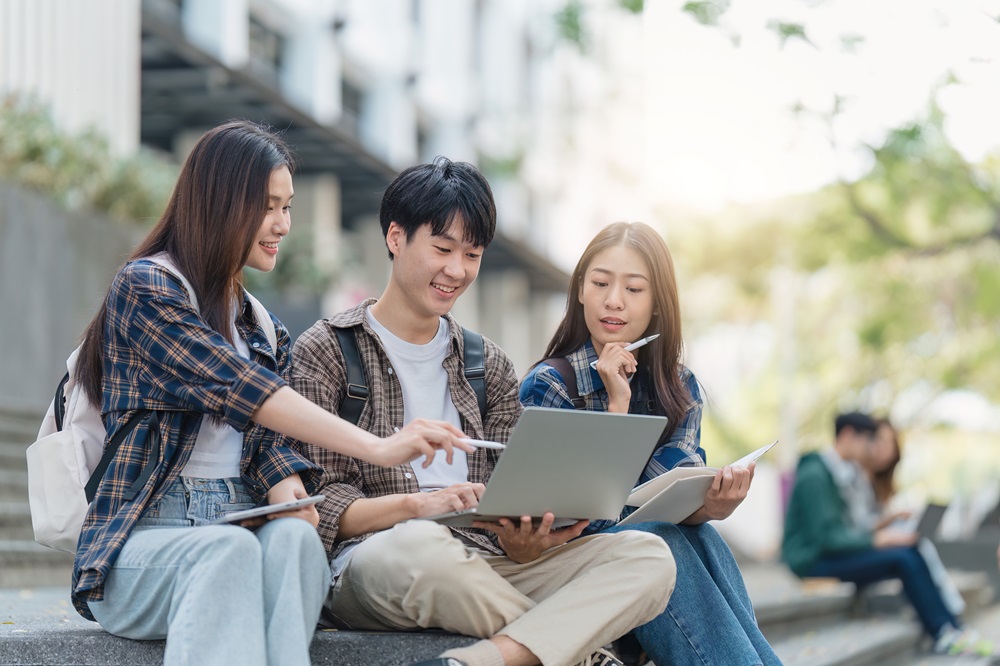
160, 355
543, 387
318, 373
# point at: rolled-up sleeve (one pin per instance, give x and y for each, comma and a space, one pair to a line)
190, 366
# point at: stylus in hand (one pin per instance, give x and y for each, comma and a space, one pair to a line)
482, 443
634, 345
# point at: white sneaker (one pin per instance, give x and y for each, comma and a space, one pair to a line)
601, 657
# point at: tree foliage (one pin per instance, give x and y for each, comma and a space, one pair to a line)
79, 170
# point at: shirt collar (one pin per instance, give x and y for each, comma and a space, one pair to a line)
356, 317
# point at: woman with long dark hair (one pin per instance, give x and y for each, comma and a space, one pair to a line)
622, 290
178, 344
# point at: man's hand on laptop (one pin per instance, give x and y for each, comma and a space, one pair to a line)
525, 542
453, 498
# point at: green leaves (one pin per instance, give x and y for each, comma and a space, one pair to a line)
706, 12
789, 31
80, 170
569, 23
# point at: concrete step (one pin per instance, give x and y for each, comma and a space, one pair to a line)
41, 627
12, 455
24, 563
19, 426
849, 643
13, 484
785, 605
15, 521
887, 596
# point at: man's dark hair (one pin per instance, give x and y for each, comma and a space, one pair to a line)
434, 194
859, 422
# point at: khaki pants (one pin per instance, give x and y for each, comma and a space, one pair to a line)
562, 606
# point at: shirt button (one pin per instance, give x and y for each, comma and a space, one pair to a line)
408, 475
390, 371
256, 345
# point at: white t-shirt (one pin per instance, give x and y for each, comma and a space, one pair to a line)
219, 446
426, 395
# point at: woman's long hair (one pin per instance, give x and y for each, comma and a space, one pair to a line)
884, 480
663, 355
208, 228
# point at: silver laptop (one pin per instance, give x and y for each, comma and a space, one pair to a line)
579, 465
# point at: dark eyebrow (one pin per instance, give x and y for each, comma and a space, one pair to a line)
275, 197
446, 236
628, 275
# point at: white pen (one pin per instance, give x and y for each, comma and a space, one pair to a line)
482, 443
634, 345
478, 443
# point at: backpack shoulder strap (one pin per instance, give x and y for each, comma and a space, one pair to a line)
163, 259
263, 316
353, 402
264, 319
475, 367
568, 374
109, 454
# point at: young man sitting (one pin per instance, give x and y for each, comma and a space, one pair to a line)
533, 594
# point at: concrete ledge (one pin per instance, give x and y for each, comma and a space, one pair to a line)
94, 647
41, 627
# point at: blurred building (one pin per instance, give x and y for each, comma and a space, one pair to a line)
362, 89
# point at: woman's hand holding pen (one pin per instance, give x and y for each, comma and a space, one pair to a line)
419, 437
615, 366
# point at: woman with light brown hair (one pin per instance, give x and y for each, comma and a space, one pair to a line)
622, 290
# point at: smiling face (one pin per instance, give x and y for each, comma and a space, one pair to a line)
617, 296
430, 272
277, 222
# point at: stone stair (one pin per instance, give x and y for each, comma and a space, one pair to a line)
828, 623
820, 623
23, 563
814, 623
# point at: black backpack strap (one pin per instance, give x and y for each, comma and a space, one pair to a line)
59, 402
565, 369
475, 367
354, 400
112, 448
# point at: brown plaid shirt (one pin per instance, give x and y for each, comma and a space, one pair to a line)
318, 373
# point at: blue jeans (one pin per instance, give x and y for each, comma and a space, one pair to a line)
905, 564
709, 619
218, 593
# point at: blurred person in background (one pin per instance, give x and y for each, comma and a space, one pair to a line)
830, 531
881, 464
